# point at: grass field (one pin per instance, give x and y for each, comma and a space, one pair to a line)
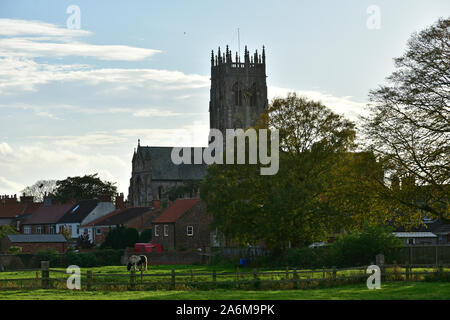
388, 291
119, 274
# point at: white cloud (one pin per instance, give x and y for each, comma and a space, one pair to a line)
17, 75
31, 48
9, 187
49, 40
16, 27
342, 105
5, 149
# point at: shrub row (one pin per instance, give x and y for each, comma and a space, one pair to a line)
105, 257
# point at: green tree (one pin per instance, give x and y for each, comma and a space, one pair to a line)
408, 127
6, 229
83, 188
302, 203
121, 237
145, 236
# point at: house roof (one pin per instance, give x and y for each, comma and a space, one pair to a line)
32, 207
79, 211
415, 234
11, 210
48, 214
163, 167
36, 238
176, 210
120, 216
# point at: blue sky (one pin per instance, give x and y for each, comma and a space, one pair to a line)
76, 101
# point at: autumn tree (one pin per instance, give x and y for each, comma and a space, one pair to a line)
408, 128
304, 202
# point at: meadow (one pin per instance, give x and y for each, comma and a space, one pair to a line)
190, 280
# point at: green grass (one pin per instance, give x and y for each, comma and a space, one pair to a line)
388, 291
120, 276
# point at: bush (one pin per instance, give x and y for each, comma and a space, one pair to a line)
14, 250
109, 257
360, 248
145, 236
50, 255
121, 237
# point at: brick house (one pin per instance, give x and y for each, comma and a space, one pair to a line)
31, 243
82, 213
129, 217
12, 211
45, 218
185, 225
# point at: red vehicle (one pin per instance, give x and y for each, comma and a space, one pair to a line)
147, 247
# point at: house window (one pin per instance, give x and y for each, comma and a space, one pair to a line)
27, 230
156, 231
38, 229
98, 231
52, 229
190, 230
78, 229
166, 230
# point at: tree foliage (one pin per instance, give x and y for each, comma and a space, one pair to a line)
408, 128
83, 188
121, 237
318, 189
5, 230
39, 189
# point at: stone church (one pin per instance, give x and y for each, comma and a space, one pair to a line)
238, 97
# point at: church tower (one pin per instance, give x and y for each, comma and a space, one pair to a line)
238, 93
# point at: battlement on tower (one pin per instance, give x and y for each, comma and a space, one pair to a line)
225, 60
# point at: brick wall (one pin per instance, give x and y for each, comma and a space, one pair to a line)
201, 223
28, 247
167, 242
178, 238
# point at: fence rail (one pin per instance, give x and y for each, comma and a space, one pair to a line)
289, 278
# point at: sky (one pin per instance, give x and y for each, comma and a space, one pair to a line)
77, 91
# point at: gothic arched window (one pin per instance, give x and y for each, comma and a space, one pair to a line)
253, 97
237, 94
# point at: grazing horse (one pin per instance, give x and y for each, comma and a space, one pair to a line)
136, 261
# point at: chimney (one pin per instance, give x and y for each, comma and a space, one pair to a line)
26, 199
104, 198
120, 204
47, 200
10, 199
156, 204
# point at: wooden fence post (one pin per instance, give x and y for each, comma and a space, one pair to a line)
45, 265
133, 279
214, 279
295, 278
334, 272
323, 273
436, 253
287, 272
89, 280
192, 276
173, 280
407, 271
